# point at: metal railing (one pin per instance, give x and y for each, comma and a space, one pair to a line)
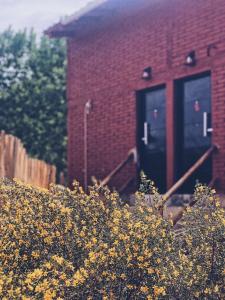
131, 155
187, 175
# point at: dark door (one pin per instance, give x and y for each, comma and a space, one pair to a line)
194, 129
152, 136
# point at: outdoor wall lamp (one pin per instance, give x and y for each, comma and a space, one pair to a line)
147, 74
191, 59
88, 107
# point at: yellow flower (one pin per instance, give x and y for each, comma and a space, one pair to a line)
112, 252
144, 289
94, 240
58, 259
63, 276
116, 242
65, 210
140, 258
57, 234
130, 287
35, 254
92, 256
159, 291
49, 295
113, 277
67, 283
150, 271
48, 240
216, 289
82, 234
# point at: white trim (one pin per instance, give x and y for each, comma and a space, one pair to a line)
76, 16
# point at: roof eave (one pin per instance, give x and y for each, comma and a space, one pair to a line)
57, 31
62, 29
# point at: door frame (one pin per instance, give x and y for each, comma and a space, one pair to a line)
140, 97
171, 115
178, 118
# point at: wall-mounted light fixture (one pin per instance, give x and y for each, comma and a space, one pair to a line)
88, 107
190, 59
147, 74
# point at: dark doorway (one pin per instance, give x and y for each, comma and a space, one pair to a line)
152, 135
193, 128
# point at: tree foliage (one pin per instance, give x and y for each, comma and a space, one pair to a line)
32, 93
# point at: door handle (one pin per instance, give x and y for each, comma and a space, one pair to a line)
206, 130
145, 137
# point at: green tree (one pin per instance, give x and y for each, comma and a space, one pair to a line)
33, 93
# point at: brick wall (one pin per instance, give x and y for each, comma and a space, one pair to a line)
106, 66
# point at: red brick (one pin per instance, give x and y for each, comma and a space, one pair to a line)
105, 66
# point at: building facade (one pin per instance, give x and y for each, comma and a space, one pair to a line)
148, 74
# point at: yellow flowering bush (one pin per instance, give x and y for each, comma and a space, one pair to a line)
200, 248
66, 244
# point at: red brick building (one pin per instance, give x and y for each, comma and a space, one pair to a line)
148, 74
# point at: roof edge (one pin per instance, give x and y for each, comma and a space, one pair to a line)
60, 29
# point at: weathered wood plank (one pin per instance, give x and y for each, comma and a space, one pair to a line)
16, 163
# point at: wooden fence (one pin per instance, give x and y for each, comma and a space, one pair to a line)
15, 163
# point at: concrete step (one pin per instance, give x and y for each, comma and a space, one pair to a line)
175, 200
175, 205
